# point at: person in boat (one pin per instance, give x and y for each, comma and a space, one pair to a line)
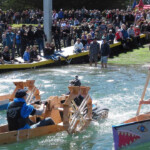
34, 54
26, 55
76, 82
18, 113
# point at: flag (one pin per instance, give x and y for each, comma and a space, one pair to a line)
141, 5
134, 4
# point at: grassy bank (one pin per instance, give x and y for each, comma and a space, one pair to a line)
137, 56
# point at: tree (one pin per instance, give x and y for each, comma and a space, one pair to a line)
57, 4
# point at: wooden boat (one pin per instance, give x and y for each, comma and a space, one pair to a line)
65, 113
5, 99
98, 111
134, 131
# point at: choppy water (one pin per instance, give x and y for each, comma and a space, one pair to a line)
119, 88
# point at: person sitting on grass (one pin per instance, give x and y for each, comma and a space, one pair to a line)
78, 47
6, 55
26, 55
34, 54
18, 113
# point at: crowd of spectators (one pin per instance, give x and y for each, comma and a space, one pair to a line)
73, 27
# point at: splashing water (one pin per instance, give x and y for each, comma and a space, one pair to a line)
119, 88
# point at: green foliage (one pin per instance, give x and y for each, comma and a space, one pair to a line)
67, 4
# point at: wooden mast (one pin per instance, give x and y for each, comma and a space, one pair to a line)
144, 91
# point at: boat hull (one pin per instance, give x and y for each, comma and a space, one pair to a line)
21, 135
131, 134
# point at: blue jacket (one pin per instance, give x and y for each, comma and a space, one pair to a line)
10, 39
18, 39
26, 56
125, 34
26, 110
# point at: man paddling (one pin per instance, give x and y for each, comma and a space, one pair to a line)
18, 113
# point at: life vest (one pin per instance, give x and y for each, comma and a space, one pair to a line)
15, 121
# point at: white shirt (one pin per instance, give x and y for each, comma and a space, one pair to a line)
78, 46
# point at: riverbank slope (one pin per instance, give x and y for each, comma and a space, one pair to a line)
136, 56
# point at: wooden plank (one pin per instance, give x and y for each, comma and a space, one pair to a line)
17, 136
5, 97
144, 91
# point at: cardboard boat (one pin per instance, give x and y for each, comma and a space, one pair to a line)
98, 111
5, 99
134, 131
66, 115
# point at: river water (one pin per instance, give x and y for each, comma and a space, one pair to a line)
119, 88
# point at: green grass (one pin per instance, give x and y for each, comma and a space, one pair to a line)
137, 56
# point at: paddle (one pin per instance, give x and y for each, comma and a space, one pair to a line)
144, 91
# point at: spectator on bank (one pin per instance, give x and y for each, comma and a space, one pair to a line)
137, 34
84, 42
34, 54
65, 34
23, 35
94, 52
124, 32
4, 39
18, 42
1, 58
6, 55
26, 56
30, 35
104, 52
110, 37
126, 39
118, 35
10, 41
131, 34
60, 14
57, 39
48, 51
39, 36
78, 47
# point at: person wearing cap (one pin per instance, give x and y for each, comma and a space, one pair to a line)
18, 113
110, 37
104, 52
94, 52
